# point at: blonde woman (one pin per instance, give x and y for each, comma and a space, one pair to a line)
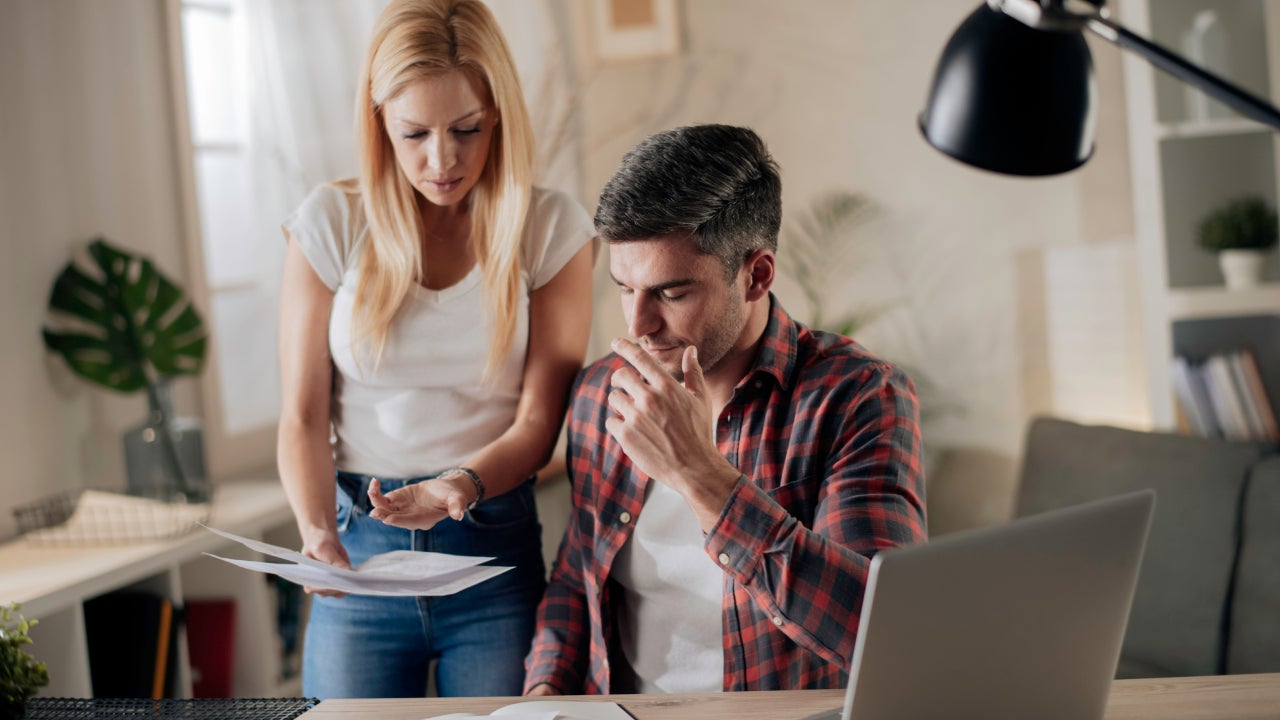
434, 314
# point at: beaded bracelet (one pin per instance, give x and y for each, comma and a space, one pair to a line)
475, 480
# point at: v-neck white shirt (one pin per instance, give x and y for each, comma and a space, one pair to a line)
426, 406
669, 620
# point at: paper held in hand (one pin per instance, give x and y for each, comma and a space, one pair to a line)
396, 573
551, 709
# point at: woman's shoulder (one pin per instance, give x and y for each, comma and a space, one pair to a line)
329, 224
555, 228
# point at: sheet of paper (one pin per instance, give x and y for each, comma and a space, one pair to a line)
551, 709
397, 573
566, 709
513, 716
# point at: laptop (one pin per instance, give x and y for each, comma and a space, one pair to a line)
1024, 620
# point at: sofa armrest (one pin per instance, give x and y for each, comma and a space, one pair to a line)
1176, 624
1254, 642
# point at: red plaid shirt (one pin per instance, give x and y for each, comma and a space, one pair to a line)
827, 439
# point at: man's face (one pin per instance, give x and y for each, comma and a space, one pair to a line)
674, 296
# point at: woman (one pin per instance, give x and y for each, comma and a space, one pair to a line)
434, 314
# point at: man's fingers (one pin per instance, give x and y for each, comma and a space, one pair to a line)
693, 377
642, 361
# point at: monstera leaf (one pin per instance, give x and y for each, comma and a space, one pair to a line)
133, 324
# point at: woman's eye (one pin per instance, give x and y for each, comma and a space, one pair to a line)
468, 131
415, 135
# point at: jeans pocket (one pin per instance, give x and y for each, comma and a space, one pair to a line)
508, 510
350, 489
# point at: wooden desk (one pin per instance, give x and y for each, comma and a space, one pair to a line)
1232, 697
52, 583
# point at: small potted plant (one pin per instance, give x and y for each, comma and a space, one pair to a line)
20, 674
1242, 233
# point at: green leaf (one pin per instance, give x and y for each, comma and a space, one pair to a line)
134, 323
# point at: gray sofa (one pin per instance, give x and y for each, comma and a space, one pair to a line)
1208, 597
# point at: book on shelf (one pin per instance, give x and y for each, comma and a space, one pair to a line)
130, 634
1193, 399
1258, 394
1223, 397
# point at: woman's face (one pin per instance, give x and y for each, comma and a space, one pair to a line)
440, 128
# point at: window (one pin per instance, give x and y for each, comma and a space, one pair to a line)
234, 258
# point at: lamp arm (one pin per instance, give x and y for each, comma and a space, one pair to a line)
1239, 99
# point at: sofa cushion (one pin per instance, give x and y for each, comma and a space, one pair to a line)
1254, 645
1176, 623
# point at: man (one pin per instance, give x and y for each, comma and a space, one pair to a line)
733, 471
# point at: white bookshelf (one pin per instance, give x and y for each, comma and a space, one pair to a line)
1185, 163
53, 582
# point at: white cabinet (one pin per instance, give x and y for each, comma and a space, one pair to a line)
52, 584
1189, 156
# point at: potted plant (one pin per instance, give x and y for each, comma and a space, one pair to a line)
1241, 232
130, 328
20, 674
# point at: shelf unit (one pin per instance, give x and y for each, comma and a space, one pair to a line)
1190, 155
52, 584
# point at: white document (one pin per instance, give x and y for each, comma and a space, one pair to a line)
553, 709
396, 573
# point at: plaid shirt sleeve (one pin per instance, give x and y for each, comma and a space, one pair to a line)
803, 565
560, 652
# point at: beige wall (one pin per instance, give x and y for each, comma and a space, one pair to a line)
86, 147
835, 88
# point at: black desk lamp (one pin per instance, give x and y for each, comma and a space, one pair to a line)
1014, 90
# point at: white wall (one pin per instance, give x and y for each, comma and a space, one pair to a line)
834, 86
86, 149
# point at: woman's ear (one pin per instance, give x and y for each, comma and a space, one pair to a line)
761, 267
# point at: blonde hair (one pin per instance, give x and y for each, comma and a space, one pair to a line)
414, 39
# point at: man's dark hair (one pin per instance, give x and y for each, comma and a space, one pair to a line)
718, 183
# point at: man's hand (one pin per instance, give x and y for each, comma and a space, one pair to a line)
421, 505
541, 690
324, 545
665, 427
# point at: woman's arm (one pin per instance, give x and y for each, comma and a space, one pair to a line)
303, 454
559, 321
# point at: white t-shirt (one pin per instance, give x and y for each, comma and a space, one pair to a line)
426, 407
669, 624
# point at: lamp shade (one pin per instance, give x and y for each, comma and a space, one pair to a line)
1012, 99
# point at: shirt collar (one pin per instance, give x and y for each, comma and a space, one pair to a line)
777, 354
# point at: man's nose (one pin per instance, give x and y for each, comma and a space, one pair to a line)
644, 319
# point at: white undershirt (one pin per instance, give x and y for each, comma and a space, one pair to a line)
670, 622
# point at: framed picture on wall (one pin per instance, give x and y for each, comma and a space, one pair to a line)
630, 29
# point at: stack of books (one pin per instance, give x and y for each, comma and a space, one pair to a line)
1223, 396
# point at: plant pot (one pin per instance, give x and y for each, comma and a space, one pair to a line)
1242, 269
153, 449
13, 710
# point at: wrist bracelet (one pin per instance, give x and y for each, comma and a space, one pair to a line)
475, 480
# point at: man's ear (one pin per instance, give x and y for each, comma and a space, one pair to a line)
761, 268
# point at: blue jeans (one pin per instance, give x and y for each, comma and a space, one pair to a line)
364, 646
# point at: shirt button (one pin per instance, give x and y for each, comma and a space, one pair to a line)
724, 558
777, 621
625, 517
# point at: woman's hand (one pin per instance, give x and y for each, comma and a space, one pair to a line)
324, 545
421, 505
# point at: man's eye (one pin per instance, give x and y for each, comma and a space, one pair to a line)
672, 296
